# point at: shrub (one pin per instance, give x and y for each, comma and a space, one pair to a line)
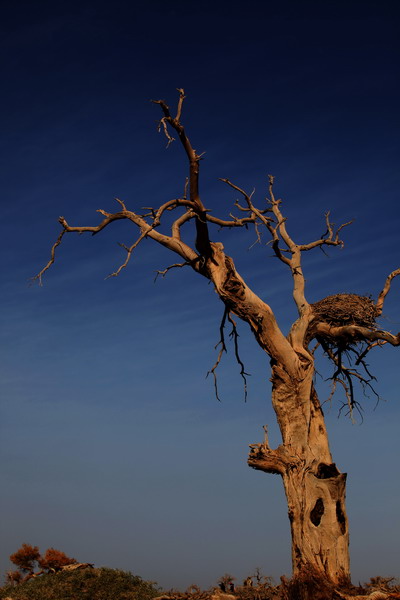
85, 584
25, 558
53, 560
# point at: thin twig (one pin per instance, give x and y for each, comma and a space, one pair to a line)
52, 258
174, 266
234, 334
220, 353
129, 250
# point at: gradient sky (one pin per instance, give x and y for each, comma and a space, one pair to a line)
114, 448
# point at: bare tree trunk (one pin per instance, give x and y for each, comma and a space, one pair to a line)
314, 487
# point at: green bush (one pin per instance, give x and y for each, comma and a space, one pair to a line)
85, 584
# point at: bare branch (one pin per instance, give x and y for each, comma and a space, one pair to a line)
258, 235
384, 292
51, 261
185, 189
330, 238
147, 230
174, 266
202, 240
351, 403
180, 103
367, 349
96, 229
220, 353
234, 334
279, 232
234, 223
177, 224
129, 251
170, 205
121, 203
348, 373
355, 333
281, 220
163, 123
248, 198
258, 214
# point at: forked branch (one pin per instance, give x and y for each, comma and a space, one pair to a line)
344, 375
147, 229
222, 348
289, 252
202, 240
329, 238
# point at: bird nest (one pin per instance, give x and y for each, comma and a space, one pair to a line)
346, 309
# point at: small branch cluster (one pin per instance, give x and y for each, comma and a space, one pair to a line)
344, 375
350, 343
222, 348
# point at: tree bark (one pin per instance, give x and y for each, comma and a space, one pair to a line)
314, 487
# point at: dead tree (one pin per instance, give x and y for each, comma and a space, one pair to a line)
339, 325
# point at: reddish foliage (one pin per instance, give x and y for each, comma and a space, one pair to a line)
53, 560
25, 558
14, 577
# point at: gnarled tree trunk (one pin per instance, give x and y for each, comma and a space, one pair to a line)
315, 489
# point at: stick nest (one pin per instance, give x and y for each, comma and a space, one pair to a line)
346, 309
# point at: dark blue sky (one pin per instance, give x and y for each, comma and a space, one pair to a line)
114, 448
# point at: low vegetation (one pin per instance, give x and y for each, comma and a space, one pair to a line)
82, 584
63, 578
309, 585
56, 576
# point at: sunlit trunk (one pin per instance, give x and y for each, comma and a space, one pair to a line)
314, 487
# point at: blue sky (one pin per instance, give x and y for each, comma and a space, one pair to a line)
114, 448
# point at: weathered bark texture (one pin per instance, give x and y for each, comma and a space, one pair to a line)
314, 487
